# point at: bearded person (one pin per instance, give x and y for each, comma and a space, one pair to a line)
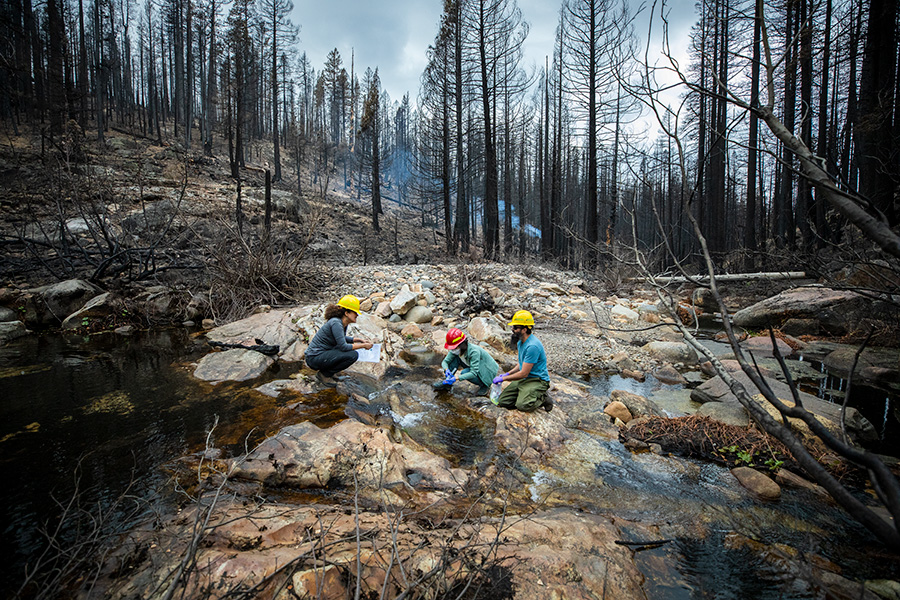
529, 382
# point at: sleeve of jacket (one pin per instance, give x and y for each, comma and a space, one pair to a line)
340, 340
449, 362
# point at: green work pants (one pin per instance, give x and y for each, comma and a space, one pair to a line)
526, 395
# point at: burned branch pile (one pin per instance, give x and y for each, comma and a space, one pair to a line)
477, 301
704, 438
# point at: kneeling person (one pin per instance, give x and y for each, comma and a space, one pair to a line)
530, 381
475, 363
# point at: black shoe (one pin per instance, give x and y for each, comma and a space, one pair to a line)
482, 391
440, 386
548, 404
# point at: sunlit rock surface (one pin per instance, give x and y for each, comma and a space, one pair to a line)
349, 454
836, 311
232, 365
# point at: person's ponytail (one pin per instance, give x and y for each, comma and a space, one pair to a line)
333, 310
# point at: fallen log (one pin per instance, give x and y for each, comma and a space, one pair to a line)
773, 276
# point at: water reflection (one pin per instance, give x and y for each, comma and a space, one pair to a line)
116, 406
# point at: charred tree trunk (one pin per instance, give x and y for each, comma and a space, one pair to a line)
876, 109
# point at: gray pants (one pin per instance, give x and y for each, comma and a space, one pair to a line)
331, 361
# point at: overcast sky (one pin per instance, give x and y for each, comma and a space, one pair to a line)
395, 35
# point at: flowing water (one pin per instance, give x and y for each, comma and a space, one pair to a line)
122, 410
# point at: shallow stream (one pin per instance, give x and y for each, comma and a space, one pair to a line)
108, 411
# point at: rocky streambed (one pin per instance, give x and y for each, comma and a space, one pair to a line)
385, 486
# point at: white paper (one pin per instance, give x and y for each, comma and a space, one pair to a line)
373, 354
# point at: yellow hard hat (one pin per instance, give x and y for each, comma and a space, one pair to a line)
522, 317
350, 302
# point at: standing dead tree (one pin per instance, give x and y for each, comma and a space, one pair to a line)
851, 205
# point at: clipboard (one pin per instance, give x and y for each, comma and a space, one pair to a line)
372, 355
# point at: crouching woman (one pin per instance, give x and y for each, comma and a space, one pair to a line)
331, 349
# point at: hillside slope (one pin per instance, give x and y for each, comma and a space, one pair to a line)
136, 211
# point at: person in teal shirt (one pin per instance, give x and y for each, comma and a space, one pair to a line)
529, 382
473, 362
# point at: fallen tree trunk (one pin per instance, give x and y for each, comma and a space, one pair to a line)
703, 279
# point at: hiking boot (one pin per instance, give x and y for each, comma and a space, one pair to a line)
548, 403
325, 380
482, 391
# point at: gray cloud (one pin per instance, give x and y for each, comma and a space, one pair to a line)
394, 36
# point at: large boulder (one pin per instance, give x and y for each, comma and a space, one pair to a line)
488, 330
383, 310
11, 330
716, 390
98, 307
561, 553
50, 304
671, 352
533, 437
288, 329
761, 346
368, 326
232, 365
404, 301
836, 311
376, 331
418, 314
668, 375
347, 454
840, 361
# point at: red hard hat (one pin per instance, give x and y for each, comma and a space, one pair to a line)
455, 337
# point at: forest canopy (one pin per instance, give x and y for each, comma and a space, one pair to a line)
543, 163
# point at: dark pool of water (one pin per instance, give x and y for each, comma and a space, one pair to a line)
448, 428
877, 405
115, 407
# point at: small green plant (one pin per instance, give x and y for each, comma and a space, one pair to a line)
774, 464
85, 321
746, 457
741, 456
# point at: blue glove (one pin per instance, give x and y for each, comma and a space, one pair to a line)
498, 378
448, 373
